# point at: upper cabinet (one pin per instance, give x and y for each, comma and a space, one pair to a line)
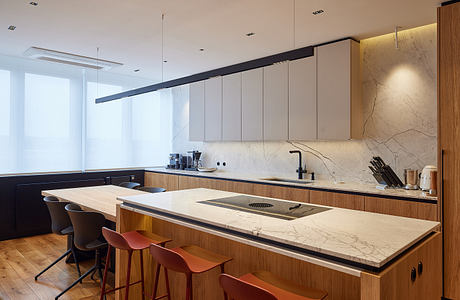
213, 109
302, 99
231, 107
252, 104
276, 93
196, 111
339, 91
311, 98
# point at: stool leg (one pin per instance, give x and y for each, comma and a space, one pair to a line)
189, 291
223, 271
155, 284
128, 274
167, 283
142, 273
104, 280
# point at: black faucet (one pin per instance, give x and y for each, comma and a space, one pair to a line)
299, 170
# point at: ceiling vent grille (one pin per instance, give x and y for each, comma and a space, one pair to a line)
70, 59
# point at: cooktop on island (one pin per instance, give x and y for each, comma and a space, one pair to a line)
268, 207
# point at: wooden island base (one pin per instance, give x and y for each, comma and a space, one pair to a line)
394, 283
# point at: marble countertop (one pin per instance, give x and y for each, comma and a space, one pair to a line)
316, 184
361, 237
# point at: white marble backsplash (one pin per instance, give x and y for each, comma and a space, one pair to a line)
400, 113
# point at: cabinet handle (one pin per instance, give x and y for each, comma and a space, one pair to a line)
420, 268
413, 274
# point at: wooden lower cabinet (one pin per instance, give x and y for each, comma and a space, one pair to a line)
402, 208
387, 206
263, 190
341, 200
395, 282
167, 181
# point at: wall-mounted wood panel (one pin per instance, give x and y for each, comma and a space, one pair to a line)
449, 141
341, 200
426, 211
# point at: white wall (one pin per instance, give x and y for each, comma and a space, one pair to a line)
399, 95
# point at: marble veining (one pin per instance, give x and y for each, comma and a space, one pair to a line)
399, 107
362, 237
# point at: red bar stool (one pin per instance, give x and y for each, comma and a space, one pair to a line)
130, 241
266, 286
188, 260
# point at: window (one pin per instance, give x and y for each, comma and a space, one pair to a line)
5, 111
5, 103
104, 129
49, 120
51, 140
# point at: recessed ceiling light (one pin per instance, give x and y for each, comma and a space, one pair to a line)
33, 3
318, 12
165, 61
201, 49
11, 27
250, 34
137, 70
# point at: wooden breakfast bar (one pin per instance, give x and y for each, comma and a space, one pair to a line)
353, 255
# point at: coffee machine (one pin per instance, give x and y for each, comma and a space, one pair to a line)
196, 156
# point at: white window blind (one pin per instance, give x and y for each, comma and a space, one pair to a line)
5, 111
49, 120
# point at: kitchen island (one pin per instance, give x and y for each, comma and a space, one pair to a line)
351, 254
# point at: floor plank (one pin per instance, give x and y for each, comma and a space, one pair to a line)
21, 259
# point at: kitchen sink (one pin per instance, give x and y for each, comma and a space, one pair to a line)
276, 179
285, 210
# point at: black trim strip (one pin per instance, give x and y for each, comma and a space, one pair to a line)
278, 244
252, 64
419, 200
449, 2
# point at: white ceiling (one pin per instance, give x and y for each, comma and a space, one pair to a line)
129, 31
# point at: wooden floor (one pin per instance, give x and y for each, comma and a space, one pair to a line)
21, 259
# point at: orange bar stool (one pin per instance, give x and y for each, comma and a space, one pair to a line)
130, 241
266, 286
188, 260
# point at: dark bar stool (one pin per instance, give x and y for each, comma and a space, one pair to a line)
130, 241
264, 285
188, 260
61, 225
151, 189
88, 237
129, 184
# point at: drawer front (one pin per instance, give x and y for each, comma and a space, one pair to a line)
341, 200
167, 181
402, 208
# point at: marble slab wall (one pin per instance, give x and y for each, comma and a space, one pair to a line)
399, 98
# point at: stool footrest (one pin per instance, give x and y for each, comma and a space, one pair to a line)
161, 297
121, 287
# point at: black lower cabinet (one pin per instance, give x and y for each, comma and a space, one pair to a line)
23, 212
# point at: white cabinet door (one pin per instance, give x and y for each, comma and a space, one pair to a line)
213, 109
196, 112
252, 105
276, 102
231, 107
302, 99
334, 91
